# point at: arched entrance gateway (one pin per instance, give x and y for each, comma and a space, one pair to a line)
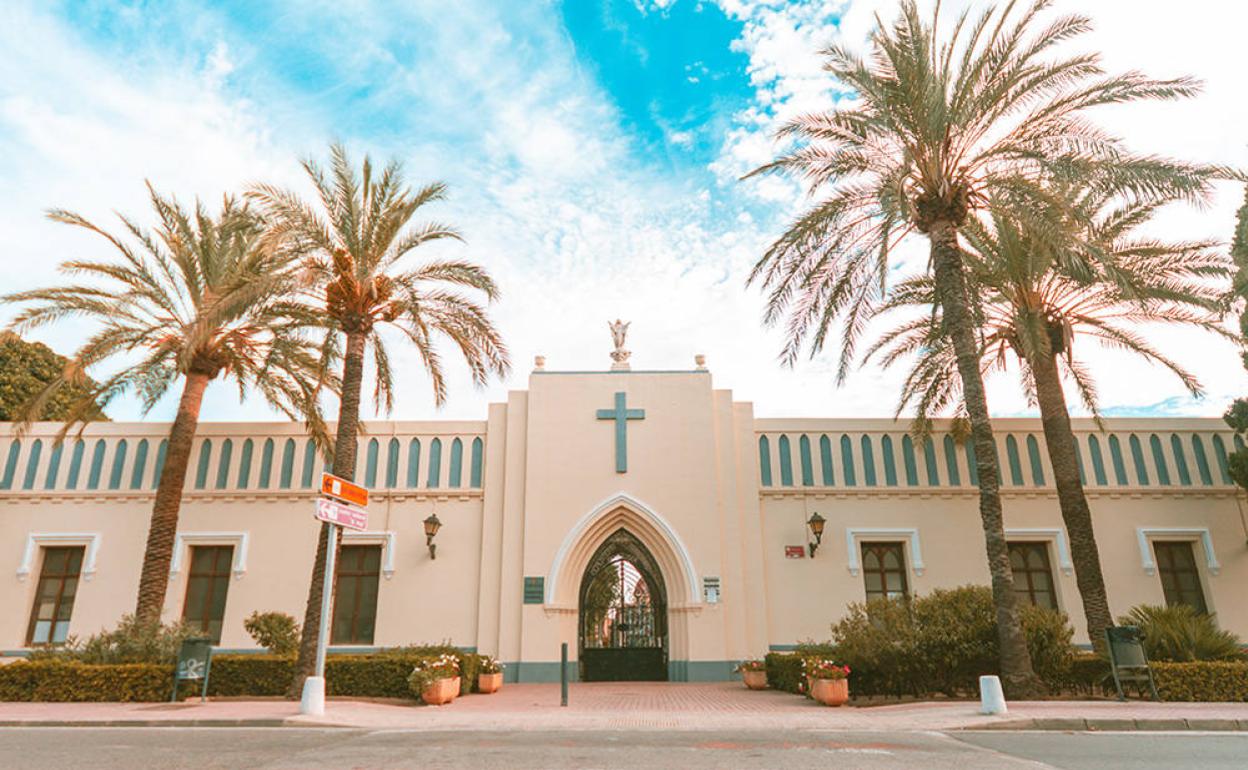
622, 614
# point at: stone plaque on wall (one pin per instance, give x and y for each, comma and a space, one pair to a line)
710, 590
534, 590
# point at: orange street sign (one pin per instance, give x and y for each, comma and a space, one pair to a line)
344, 490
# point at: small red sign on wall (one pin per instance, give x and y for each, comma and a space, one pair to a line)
795, 552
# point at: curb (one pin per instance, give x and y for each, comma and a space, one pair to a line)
153, 723
1117, 725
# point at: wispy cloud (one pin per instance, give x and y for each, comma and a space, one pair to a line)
585, 205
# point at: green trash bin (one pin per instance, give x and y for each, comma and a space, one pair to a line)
1127, 660
194, 662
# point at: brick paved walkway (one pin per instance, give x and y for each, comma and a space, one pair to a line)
637, 706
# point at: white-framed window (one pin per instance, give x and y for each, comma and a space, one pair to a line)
184, 540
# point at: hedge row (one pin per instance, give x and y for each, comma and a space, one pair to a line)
785, 671
381, 675
54, 681
1206, 681
1202, 681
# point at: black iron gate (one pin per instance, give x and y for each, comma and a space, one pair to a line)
623, 614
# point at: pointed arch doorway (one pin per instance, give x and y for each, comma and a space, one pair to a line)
622, 614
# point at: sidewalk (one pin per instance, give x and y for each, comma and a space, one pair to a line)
638, 706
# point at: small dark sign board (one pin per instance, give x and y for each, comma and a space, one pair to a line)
795, 552
534, 590
194, 662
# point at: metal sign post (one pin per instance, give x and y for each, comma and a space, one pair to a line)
327, 586
337, 508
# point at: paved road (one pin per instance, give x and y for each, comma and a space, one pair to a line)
286, 748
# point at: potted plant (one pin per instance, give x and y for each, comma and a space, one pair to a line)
490, 675
829, 682
753, 673
436, 680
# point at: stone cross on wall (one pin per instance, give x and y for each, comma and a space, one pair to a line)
621, 414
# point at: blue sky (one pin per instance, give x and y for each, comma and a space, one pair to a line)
673, 73
593, 151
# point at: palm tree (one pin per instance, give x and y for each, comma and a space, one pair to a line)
936, 126
1039, 287
193, 301
351, 240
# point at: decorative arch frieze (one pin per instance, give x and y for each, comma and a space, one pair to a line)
603, 520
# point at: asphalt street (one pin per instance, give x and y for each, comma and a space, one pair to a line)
170, 748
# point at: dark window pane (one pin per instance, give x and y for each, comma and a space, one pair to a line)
1033, 577
196, 595
54, 595
1180, 580
67, 598
54, 560
202, 559
884, 570
355, 598
207, 587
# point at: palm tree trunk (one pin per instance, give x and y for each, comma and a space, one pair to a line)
1060, 440
154, 581
1018, 678
344, 466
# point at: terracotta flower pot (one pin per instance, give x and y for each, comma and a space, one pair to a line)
755, 680
489, 683
441, 692
830, 692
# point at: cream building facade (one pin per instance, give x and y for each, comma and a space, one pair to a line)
646, 518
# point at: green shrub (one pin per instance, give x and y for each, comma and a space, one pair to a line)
1202, 681
955, 636
785, 672
1089, 675
254, 675
422, 650
379, 675
878, 640
369, 676
277, 632
1180, 634
1049, 638
941, 642
67, 680
130, 642
469, 667
469, 662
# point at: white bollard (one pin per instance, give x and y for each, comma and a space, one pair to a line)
991, 696
313, 701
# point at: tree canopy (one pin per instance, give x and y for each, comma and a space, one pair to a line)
26, 368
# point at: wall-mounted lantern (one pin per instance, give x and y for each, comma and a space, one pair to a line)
815, 522
432, 525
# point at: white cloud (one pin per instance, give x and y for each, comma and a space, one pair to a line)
543, 182
781, 40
